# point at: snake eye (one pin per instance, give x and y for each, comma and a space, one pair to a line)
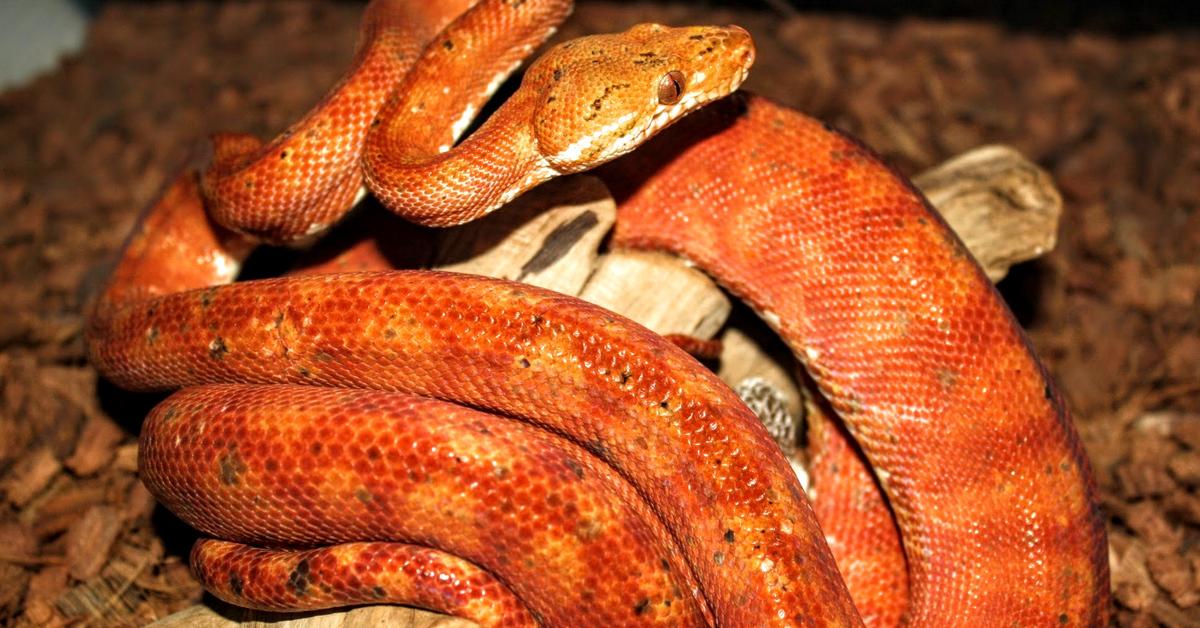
670, 87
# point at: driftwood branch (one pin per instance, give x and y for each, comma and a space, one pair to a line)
1004, 207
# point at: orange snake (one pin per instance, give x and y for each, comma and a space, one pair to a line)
636, 487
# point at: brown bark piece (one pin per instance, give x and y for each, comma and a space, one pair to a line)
31, 475
13, 580
96, 445
90, 539
44, 587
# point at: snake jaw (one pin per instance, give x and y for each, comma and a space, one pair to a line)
601, 99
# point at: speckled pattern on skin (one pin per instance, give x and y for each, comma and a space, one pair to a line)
909, 342
306, 179
993, 499
356, 573
702, 460
570, 536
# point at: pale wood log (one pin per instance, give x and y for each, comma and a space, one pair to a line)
220, 615
670, 297
549, 237
1004, 207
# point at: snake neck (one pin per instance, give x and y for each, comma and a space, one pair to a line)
449, 186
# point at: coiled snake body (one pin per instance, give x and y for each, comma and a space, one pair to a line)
351, 437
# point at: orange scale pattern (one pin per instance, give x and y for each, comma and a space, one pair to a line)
356, 573
572, 539
910, 345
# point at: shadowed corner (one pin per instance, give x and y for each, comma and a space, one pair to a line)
1025, 289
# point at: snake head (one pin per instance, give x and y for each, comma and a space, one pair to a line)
603, 95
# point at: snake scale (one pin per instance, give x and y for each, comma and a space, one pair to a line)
520, 457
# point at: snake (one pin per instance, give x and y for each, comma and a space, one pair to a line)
516, 456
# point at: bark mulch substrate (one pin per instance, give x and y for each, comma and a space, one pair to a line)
1112, 310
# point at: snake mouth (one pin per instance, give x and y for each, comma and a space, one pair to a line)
738, 58
702, 64
668, 115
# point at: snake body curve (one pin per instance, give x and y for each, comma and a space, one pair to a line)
666, 502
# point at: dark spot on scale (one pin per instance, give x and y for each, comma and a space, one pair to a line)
596, 104
315, 449
825, 125
665, 565
283, 154
298, 579
1049, 470
217, 348
448, 45
922, 221
271, 464
558, 74
551, 99
1062, 618
304, 372
379, 592
597, 447
235, 583
231, 466
696, 37
376, 122
363, 495
642, 606
588, 529
663, 404
1048, 392
249, 185
947, 378
729, 536
152, 336
956, 247
207, 296
575, 467
625, 375
524, 362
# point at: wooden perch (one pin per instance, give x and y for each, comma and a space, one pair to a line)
1004, 207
